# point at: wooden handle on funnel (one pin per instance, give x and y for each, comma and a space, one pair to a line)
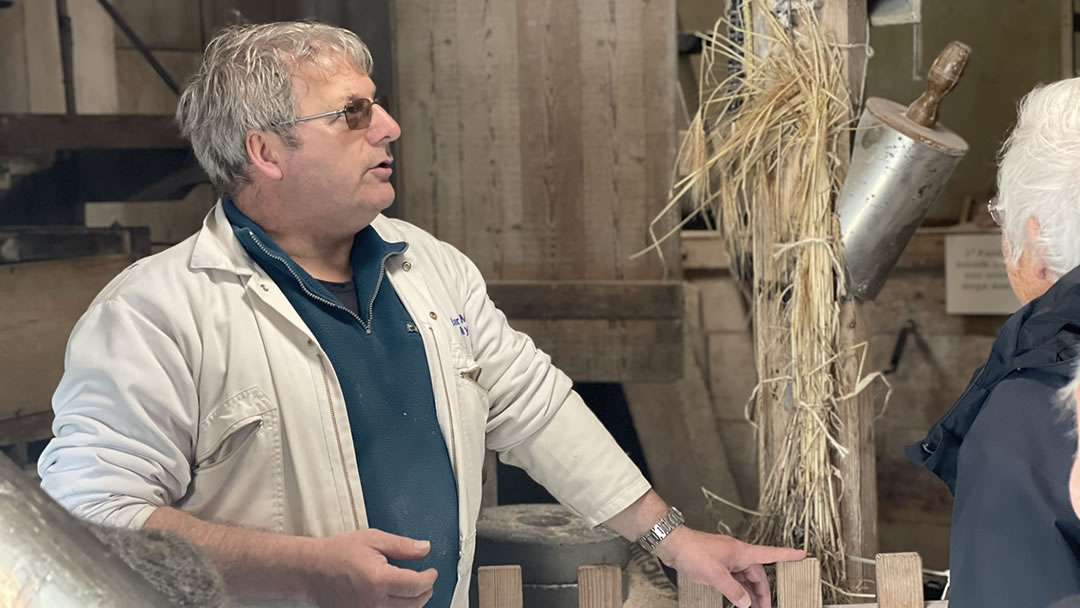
946, 70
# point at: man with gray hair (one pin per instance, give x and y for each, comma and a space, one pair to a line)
306, 388
1004, 449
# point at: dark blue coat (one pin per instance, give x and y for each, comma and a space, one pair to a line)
1005, 450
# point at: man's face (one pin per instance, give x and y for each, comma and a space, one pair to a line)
339, 177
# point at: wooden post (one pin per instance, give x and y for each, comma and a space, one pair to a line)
858, 498
899, 580
845, 22
499, 586
600, 586
696, 595
798, 584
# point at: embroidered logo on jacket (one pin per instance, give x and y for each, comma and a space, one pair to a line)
460, 323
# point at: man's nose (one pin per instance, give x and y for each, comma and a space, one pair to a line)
383, 126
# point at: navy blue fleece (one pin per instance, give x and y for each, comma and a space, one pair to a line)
379, 359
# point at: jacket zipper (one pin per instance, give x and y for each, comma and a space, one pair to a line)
925, 444
371, 304
341, 449
322, 365
446, 392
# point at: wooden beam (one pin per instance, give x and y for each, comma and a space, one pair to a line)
26, 133
499, 586
24, 429
37, 243
594, 350
703, 251
611, 300
600, 586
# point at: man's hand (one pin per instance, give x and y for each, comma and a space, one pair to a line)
731, 566
353, 570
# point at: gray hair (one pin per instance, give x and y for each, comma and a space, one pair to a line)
1039, 175
245, 82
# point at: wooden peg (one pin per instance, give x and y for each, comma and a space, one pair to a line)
798, 584
600, 586
899, 580
499, 586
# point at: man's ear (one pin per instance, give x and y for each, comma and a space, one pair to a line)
1034, 245
265, 151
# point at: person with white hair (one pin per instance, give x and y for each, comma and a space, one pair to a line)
1004, 449
306, 388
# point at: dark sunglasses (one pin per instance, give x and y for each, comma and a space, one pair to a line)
357, 112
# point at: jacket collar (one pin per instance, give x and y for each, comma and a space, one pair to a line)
216, 246
1044, 335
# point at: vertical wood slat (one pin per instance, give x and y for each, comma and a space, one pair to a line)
94, 58
552, 169
598, 106
414, 74
661, 140
798, 584
499, 586
630, 208
899, 580
600, 586
697, 595
490, 131
30, 59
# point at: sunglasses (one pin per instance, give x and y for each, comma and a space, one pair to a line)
995, 213
357, 113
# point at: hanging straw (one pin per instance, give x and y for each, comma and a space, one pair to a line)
763, 160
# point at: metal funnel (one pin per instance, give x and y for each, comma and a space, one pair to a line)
901, 160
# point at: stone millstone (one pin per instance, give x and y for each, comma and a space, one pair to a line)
549, 542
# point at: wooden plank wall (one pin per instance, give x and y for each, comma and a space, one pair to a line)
32, 359
538, 136
914, 507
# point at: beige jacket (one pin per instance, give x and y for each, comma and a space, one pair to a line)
192, 382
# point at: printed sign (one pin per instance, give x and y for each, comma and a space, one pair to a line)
975, 279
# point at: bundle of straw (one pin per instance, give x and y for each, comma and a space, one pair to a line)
764, 157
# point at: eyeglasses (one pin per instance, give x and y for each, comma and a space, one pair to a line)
995, 213
357, 113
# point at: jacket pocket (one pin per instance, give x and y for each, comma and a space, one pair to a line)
237, 473
230, 427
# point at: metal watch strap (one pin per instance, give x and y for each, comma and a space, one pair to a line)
667, 524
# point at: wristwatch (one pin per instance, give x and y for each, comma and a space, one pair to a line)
667, 524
